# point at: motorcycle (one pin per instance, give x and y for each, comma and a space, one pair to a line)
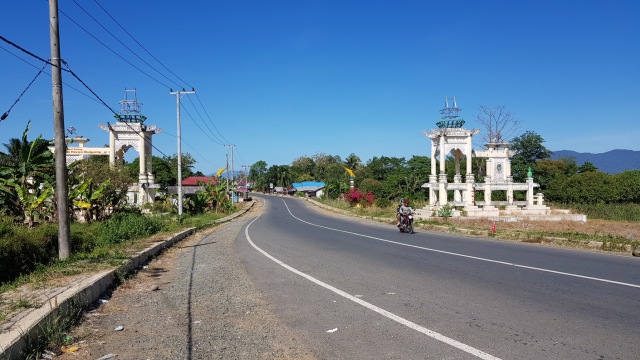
406, 223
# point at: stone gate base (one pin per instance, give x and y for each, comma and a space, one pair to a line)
503, 213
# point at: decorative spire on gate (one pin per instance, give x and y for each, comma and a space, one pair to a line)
450, 115
130, 108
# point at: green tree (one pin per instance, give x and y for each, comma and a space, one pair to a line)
587, 167
303, 168
327, 167
165, 169
108, 185
546, 170
529, 148
27, 161
628, 186
258, 175
353, 162
592, 187
26, 173
380, 168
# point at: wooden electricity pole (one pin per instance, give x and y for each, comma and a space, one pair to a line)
59, 140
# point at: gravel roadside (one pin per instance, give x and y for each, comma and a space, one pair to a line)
195, 301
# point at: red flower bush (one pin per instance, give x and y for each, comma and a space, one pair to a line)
353, 196
369, 198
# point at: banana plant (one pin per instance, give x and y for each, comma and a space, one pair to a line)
87, 197
30, 201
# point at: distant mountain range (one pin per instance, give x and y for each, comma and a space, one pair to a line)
611, 162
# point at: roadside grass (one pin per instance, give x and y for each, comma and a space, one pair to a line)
612, 212
616, 227
92, 251
52, 337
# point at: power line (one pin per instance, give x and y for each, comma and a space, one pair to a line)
6, 114
123, 44
110, 109
113, 51
206, 113
46, 73
24, 50
205, 124
137, 42
207, 135
191, 147
143, 48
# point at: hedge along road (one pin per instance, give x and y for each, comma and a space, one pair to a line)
354, 289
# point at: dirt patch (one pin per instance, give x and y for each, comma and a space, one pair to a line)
195, 301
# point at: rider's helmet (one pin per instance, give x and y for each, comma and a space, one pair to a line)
406, 202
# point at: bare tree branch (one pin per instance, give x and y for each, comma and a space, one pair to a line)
499, 123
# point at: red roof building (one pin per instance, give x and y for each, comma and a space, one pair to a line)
193, 180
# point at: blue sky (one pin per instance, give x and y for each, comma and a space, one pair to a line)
284, 79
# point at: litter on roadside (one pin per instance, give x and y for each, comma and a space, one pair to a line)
106, 357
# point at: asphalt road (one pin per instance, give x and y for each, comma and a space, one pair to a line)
355, 289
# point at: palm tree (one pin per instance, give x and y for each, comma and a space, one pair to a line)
25, 166
26, 161
352, 162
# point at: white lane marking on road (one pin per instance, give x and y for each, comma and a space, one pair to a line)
432, 334
469, 256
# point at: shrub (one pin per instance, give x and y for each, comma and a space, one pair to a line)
128, 226
23, 249
382, 202
353, 196
446, 211
368, 198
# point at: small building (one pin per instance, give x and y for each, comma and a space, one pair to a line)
190, 184
311, 188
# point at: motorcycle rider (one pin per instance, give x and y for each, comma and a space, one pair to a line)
404, 210
398, 211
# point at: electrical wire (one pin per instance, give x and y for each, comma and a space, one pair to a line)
6, 114
46, 73
214, 126
24, 50
139, 44
123, 44
220, 139
108, 107
113, 51
205, 124
207, 135
191, 147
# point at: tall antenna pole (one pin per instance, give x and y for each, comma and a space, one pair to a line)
58, 139
178, 95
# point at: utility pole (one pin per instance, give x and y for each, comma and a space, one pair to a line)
227, 157
232, 173
58, 137
178, 95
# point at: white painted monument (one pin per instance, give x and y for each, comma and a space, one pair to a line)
128, 132
451, 139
